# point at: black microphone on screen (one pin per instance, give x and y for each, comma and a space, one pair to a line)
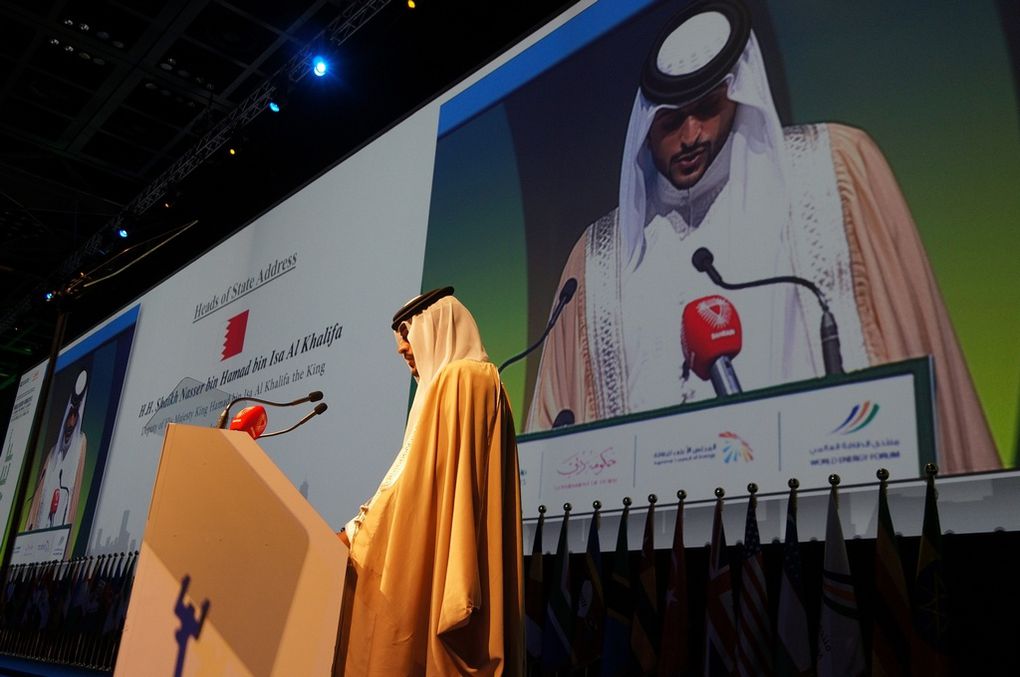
565, 417
704, 262
221, 422
319, 408
566, 293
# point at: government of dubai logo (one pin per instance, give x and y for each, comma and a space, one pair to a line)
233, 340
735, 448
860, 416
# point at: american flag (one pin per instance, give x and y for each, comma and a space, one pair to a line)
720, 636
754, 632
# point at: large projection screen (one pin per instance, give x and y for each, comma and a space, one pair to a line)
490, 186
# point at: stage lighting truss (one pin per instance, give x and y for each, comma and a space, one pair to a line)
336, 33
354, 16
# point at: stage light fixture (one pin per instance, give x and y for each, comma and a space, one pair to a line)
411, 4
319, 66
122, 233
232, 151
279, 95
49, 296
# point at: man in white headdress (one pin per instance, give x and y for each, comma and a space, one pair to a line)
707, 164
436, 554
55, 502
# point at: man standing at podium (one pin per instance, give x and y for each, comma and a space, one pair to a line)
436, 553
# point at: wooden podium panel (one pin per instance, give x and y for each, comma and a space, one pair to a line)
238, 574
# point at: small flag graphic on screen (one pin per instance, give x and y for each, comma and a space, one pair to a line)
233, 343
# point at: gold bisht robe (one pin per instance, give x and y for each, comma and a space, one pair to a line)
901, 311
438, 557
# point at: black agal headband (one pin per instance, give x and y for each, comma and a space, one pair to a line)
418, 304
695, 51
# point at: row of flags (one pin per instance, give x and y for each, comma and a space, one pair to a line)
69, 612
613, 622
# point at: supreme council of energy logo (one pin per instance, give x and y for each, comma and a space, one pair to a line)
735, 448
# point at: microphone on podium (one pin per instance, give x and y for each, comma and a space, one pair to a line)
711, 336
832, 356
319, 408
253, 420
221, 422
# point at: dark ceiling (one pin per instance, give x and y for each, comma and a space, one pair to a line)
99, 99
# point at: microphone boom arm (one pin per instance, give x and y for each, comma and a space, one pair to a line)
566, 294
313, 413
779, 279
832, 356
548, 328
221, 422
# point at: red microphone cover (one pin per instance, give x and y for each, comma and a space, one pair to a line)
710, 329
252, 420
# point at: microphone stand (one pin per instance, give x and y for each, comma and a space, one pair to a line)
566, 293
723, 377
221, 422
310, 415
534, 345
71, 290
832, 357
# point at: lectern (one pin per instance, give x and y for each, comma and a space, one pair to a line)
238, 574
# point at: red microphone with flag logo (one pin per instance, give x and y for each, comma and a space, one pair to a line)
710, 337
252, 420
54, 503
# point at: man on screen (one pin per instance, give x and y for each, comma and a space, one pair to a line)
436, 553
55, 502
707, 164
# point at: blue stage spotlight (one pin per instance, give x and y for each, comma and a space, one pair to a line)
49, 296
274, 107
319, 66
122, 232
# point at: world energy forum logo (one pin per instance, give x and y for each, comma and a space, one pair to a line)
860, 416
735, 448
